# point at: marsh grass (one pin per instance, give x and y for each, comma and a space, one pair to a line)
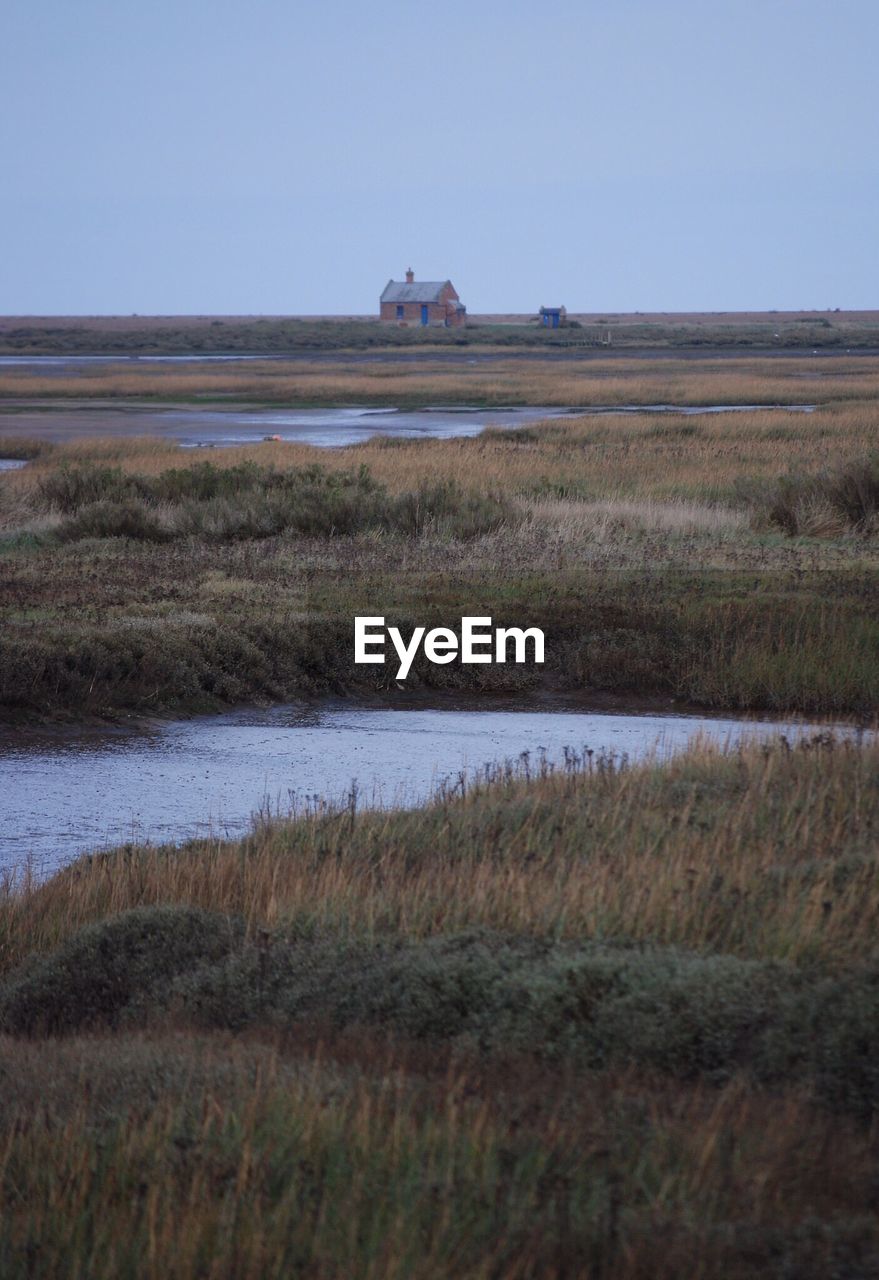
528, 1030
767, 853
604, 1021
828, 503
255, 1162
630, 456
629, 539
576, 382
247, 501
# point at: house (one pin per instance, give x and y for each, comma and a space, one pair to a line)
424, 302
553, 317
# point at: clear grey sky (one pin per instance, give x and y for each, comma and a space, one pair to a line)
282, 156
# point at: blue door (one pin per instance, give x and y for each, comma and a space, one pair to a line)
424, 313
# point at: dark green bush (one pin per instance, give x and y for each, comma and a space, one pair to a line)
70, 488
686, 1015
128, 519
205, 480
845, 499
250, 501
830, 1032
90, 979
682, 1014
449, 511
675, 1012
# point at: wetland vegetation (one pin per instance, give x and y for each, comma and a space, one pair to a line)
599, 1021
728, 560
529, 1030
201, 335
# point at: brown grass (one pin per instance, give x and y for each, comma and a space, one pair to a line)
735, 870
572, 382
340, 1152
258, 1162
631, 457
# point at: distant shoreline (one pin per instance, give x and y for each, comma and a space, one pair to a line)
606, 332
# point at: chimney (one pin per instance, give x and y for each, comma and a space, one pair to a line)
410, 276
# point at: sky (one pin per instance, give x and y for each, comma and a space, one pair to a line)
284, 157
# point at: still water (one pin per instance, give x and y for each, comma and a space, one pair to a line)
326, 428
63, 792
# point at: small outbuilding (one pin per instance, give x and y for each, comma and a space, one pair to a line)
553, 317
421, 302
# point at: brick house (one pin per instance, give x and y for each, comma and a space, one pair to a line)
425, 302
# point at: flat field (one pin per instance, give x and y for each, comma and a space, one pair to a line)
186, 335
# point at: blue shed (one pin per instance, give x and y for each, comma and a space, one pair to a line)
553, 317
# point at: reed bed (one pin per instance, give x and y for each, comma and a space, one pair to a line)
705, 458
571, 382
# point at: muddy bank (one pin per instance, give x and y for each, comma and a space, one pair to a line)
324, 428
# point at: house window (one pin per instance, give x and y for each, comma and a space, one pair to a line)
400, 310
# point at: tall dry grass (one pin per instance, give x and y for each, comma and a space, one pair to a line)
631, 457
765, 853
570, 382
360, 1150
166, 1158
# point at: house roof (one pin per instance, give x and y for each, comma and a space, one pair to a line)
421, 291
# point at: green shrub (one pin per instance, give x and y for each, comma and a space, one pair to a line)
205, 480
679, 1013
843, 500
250, 501
70, 488
830, 1033
445, 509
129, 519
90, 979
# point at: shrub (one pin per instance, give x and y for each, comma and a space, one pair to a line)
249, 501
70, 488
834, 502
679, 1013
128, 519
90, 979
831, 1033
683, 1014
445, 509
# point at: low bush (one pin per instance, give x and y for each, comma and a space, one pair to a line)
446, 510
679, 1013
250, 501
68, 489
131, 518
833, 502
91, 979
684, 1015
